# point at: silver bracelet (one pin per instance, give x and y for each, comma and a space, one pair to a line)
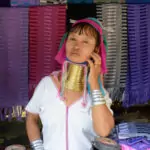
97, 98
37, 145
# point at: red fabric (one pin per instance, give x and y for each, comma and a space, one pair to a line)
46, 28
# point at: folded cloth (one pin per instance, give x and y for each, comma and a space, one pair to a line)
14, 61
126, 147
137, 89
25, 2
47, 25
138, 143
132, 129
114, 19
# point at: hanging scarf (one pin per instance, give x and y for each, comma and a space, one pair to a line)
138, 80
114, 17
44, 40
137, 1
14, 65
109, 1
61, 55
45, 2
25, 2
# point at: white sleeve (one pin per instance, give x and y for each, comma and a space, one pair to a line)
34, 104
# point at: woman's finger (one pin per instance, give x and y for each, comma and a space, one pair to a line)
97, 67
90, 63
96, 58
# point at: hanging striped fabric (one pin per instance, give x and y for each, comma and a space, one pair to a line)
45, 2
47, 26
109, 1
138, 81
137, 1
24, 2
113, 17
14, 59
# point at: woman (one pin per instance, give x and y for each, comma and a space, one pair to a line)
72, 104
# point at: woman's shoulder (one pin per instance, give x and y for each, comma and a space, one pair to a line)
45, 80
50, 80
49, 77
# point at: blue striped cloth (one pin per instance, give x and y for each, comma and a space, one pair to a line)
132, 129
25, 2
138, 143
137, 1
137, 89
108, 1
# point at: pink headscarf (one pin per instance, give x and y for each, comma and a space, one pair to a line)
61, 55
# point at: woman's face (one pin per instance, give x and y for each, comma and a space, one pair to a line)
79, 47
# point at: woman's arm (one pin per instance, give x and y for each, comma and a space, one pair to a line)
33, 130
103, 120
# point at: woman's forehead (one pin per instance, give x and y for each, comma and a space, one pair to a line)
84, 34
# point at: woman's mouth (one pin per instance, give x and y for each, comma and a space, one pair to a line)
77, 54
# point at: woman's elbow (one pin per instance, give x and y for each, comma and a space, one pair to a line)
106, 129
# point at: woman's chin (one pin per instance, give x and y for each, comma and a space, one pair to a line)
76, 60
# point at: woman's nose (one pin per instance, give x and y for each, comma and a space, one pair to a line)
77, 45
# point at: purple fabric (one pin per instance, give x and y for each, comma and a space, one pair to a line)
137, 89
25, 2
137, 1
14, 58
47, 25
139, 143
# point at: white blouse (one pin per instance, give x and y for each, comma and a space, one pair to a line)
64, 128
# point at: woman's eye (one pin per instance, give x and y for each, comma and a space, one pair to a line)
86, 42
72, 39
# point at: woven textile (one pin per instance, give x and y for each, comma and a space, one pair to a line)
114, 19
45, 2
25, 2
137, 1
47, 26
109, 1
14, 59
138, 80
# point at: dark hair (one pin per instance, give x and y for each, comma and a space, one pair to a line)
87, 29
